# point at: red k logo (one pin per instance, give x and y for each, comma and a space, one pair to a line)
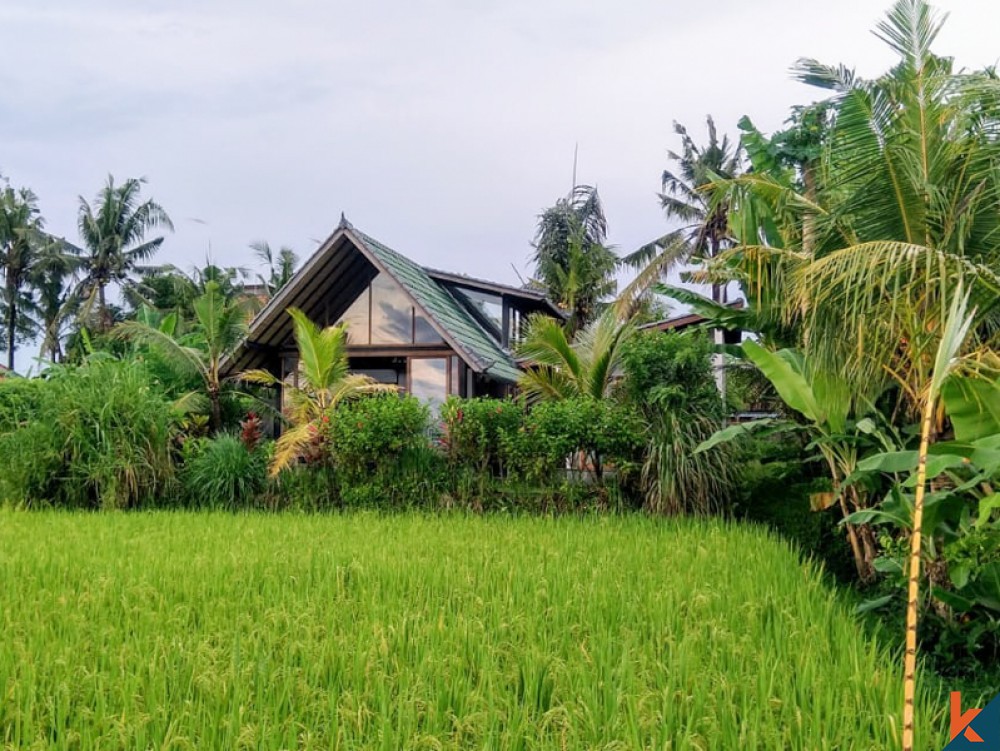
960, 722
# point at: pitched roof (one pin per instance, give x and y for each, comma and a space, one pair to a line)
452, 321
455, 324
530, 294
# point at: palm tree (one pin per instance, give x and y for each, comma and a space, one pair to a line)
561, 368
219, 325
573, 261
56, 305
20, 226
114, 237
324, 383
895, 283
685, 197
280, 266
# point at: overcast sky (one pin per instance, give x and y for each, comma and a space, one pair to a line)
441, 128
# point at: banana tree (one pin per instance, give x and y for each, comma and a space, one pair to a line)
838, 429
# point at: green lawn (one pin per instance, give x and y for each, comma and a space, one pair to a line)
201, 631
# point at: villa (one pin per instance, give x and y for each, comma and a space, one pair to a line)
432, 333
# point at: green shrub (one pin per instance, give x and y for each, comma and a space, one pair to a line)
100, 436
371, 433
775, 488
474, 430
416, 478
671, 371
222, 472
589, 433
19, 401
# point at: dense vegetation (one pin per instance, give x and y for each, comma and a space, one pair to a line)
363, 631
863, 239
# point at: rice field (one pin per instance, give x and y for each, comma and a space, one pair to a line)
213, 631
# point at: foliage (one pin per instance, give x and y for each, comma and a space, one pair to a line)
559, 368
672, 369
574, 262
589, 433
367, 435
280, 266
475, 430
366, 630
325, 382
685, 197
221, 472
218, 327
100, 436
669, 381
20, 233
113, 232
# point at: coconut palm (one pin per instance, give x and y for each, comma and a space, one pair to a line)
561, 368
114, 233
685, 198
20, 225
56, 305
897, 284
280, 266
573, 260
324, 383
219, 325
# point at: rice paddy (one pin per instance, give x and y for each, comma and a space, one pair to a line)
213, 631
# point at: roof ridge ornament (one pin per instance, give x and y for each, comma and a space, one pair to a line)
344, 224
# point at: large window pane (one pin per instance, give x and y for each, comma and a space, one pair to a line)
489, 306
429, 380
392, 313
356, 319
423, 332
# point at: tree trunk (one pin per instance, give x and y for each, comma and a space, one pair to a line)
852, 535
913, 591
11, 330
216, 418
102, 321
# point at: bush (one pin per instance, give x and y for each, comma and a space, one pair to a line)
672, 371
100, 436
596, 434
474, 431
223, 472
371, 433
775, 489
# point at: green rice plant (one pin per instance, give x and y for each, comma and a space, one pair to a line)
223, 472
359, 631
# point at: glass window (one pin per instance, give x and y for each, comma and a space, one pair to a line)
383, 375
429, 380
489, 306
456, 376
392, 313
423, 332
356, 319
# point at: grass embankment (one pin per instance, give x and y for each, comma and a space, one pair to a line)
176, 630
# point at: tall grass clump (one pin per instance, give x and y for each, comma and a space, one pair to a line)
669, 380
363, 631
96, 436
223, 472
